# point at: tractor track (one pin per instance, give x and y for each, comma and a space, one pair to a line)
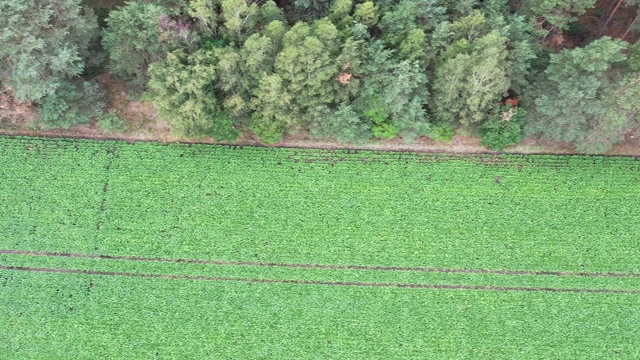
319, 266
315, 282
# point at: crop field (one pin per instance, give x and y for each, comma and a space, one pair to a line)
145, 250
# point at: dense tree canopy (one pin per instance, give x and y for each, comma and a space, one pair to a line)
588, 96
42, 43
348, 70
557, 13
182, 90
133, 39
44, 46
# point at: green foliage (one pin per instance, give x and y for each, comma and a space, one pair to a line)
585, 98
42, 44
408, 15
133, 40
210, 43
325, 65
182, 91
634, 57
441, 133
470, 27
240, 71
504, 128
179, 32
73, 103
272, 109
461, 8
207, 14
522, 41
575, 29
269, 12
310, 10
367, 13
385, 130
397, 87
343, 123
239, 19
522, 52
340, 12
269, 130
233, 79
558, 13
112, 122
378, 114
296, 206
414, 47
470, 75
351, 60
307, 68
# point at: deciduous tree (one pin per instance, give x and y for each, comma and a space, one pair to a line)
239, 19
309, 10
394, 93
408, 15
207, 13
470, 76
307, 66
343, 123
367, 13
587, 97
42, 44
182, 89
132, 39
504, 128
72, 103
557, 13
272, 109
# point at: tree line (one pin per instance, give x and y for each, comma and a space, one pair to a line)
351, 70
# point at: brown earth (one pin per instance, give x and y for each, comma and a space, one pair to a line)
145, 126
595, 18
14, 114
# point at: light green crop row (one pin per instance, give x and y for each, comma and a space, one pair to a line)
315, 206
370, 276
62, 316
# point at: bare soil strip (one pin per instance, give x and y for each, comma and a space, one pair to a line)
320, 266
314, 282
460, 145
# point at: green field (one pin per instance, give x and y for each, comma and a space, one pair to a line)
290, 253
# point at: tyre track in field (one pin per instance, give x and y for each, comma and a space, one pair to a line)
319, 266
315, 282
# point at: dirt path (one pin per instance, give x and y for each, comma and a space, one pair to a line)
312, 282
321, 266
459, 144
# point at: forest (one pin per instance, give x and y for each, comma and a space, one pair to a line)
347, 70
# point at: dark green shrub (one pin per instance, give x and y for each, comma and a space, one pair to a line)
503, 128
72, 103
270, 132
112, 123
441, 133
382, 128
385, 130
